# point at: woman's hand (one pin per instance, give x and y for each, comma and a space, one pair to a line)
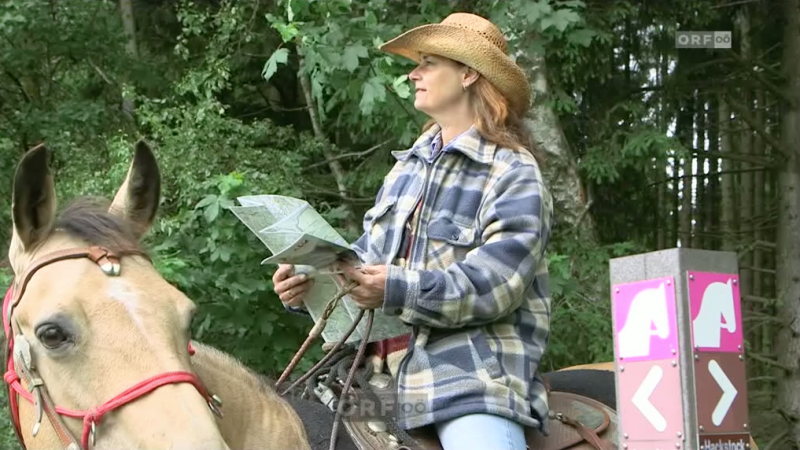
291, 288
371, 282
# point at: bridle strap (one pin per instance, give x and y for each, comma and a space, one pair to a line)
110, 264
24, 383
92, 418
97, 254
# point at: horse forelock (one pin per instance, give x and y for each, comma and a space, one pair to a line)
88, 218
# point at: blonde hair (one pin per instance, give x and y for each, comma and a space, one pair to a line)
496, 121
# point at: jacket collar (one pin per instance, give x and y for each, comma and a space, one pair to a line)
470, 143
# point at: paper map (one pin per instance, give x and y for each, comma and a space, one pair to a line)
297, 234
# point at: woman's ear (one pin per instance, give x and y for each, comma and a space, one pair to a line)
469, 76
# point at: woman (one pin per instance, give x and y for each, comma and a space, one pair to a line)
455, 245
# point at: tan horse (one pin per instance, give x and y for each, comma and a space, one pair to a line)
89, 334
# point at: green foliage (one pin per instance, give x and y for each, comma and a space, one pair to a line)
576, 271
217, 92
198, 92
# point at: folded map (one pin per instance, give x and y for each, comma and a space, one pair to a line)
295, 233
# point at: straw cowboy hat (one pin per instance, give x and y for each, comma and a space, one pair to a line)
471, 40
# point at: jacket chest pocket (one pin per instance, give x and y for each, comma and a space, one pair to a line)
448, 242
378, 215
378, 226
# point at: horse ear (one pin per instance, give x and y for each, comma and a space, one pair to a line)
33, 202
138, 197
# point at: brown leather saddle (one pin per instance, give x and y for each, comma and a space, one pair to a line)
576, 423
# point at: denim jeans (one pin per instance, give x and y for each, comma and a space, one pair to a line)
481, 432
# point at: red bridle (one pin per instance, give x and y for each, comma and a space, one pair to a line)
110, 265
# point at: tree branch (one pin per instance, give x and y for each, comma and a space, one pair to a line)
757, 127
349, 155
309, 188
750, 64
335, 166
768, 361
737, 157
19, 85
100, 72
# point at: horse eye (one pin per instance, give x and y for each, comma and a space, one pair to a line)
52, 336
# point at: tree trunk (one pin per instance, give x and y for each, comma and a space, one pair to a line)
661, 163
746, 221
351, 222
129, 23
712, 213
684, 131
728, 202
760, 209
788, 236
572, 202
700, 240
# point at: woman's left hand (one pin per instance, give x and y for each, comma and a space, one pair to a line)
371, 281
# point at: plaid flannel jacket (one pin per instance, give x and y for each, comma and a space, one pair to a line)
475, 287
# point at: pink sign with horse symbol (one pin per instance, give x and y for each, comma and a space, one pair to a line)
645, 320
716, 312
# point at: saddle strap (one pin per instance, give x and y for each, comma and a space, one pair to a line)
586, 433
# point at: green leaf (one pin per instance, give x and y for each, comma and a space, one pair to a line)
401, 87
351, 56
581, 37
211, 212
562, 18
373, 91
279, 56
207, 200
534, 11
572, 3
288, 31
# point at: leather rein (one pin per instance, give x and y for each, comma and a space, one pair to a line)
22, 378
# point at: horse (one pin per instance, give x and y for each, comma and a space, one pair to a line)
98, 343
99, 353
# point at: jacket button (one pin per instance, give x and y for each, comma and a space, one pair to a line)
398, 311
455, 237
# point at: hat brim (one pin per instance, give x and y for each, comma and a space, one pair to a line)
470, 49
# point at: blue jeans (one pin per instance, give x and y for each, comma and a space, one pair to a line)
481, 432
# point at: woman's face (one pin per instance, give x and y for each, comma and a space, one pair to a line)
439, 84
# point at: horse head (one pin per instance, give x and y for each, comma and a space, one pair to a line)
99, 337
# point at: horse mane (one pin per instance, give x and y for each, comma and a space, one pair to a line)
238, 370
87, 218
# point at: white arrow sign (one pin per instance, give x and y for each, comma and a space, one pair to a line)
641, 398
728, 392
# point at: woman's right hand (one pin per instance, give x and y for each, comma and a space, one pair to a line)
291, 288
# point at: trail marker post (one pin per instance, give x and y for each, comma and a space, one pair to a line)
679, 351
